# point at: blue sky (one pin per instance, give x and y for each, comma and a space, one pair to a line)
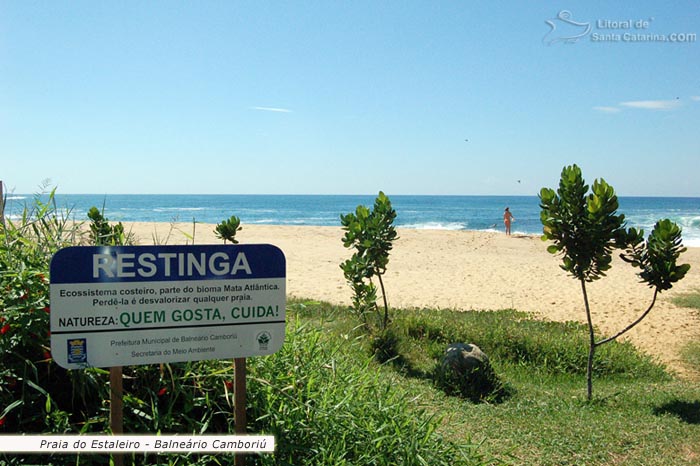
348, 97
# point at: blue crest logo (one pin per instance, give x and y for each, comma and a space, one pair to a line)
77, 351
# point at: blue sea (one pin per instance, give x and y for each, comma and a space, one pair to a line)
483, 213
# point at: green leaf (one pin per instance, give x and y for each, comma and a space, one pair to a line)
11, 406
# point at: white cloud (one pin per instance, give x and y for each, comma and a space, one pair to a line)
695, 98
652, 104
272, 109
607, 109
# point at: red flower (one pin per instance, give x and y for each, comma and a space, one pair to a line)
5, 328
2, 421
229, 384
47, 355
162, 391
47, 309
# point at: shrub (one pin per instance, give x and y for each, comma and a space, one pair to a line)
227, 229
371, 233
102, 233
385, 345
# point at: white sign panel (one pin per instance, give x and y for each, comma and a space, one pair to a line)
132, 305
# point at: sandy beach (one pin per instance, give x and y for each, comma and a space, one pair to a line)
466, 270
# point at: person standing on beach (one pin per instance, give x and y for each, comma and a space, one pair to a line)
507, 219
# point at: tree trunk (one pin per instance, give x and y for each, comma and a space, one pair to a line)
592, 345
386, 305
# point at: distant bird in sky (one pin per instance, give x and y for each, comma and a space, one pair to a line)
518, 181
467, 140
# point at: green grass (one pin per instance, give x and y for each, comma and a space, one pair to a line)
689, 300
639, 416
326, 402
690, 353
547, 421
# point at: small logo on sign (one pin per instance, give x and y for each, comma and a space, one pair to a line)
263, 339
77, 351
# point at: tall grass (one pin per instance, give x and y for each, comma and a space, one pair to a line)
326, 403
514, 337
26, 247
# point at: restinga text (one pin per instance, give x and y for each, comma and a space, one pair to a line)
168, 264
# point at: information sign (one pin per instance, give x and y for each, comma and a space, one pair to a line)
132, 305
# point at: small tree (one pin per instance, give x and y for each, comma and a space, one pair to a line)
371, 233
227, 229
585, 229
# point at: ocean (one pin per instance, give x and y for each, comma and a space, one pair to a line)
483, 213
